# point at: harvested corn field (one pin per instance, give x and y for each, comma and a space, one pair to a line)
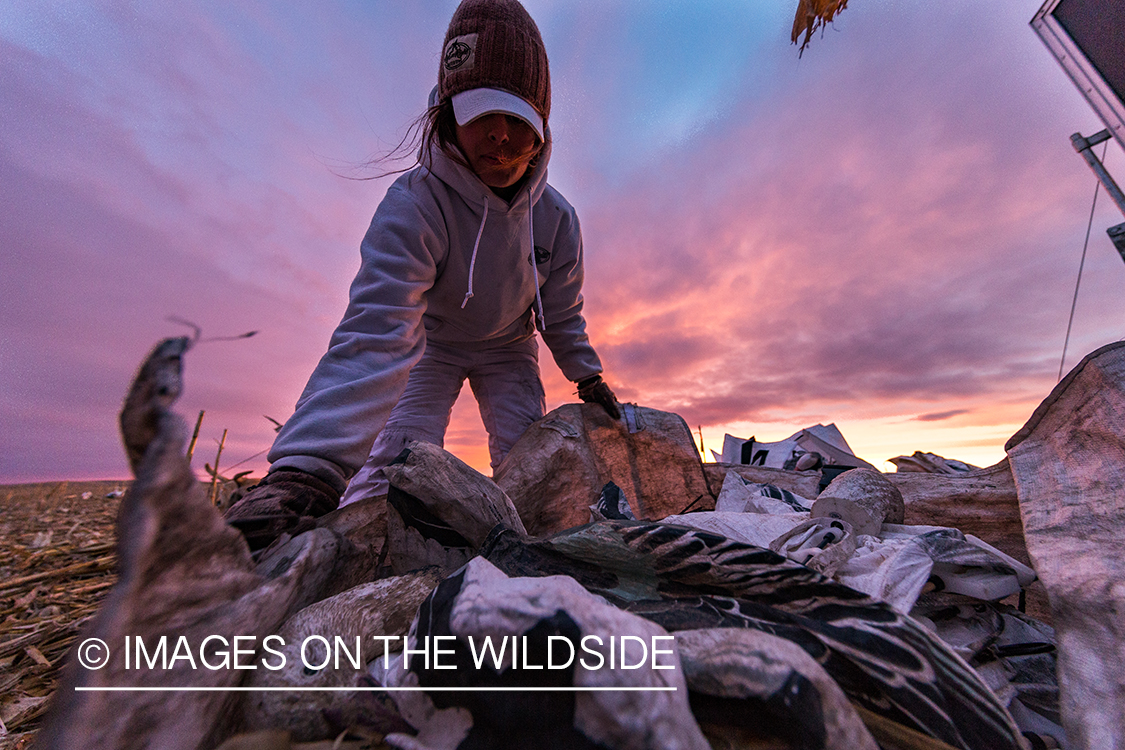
57, 562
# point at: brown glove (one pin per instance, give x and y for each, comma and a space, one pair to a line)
285, 501
595, 391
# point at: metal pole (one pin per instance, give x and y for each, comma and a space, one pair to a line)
1084, 147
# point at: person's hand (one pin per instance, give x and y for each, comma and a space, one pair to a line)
285, 501
595, 391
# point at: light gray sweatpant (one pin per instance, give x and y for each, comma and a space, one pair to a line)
508, 389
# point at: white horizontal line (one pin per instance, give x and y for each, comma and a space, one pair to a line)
372, 689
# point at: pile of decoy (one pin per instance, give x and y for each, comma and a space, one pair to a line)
605, 590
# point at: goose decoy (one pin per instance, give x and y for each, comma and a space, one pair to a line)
685, 579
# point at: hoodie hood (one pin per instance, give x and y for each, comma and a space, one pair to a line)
468, 185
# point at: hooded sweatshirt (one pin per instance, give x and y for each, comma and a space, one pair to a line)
445, 259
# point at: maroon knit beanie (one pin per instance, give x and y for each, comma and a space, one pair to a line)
495, 44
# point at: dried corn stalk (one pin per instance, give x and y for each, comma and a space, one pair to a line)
811, 15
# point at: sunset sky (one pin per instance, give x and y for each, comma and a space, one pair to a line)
883, 233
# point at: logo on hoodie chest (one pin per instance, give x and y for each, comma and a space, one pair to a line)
542, 255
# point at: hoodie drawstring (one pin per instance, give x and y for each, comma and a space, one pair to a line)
540, 324
473, 262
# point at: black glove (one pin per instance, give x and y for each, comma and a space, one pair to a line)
595, 391
285, 501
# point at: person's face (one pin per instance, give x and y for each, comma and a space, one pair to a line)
499, 148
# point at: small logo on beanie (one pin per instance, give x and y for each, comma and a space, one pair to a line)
459, 52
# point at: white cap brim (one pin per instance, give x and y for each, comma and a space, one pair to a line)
474, 103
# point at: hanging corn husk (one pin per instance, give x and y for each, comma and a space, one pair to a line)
811, 15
